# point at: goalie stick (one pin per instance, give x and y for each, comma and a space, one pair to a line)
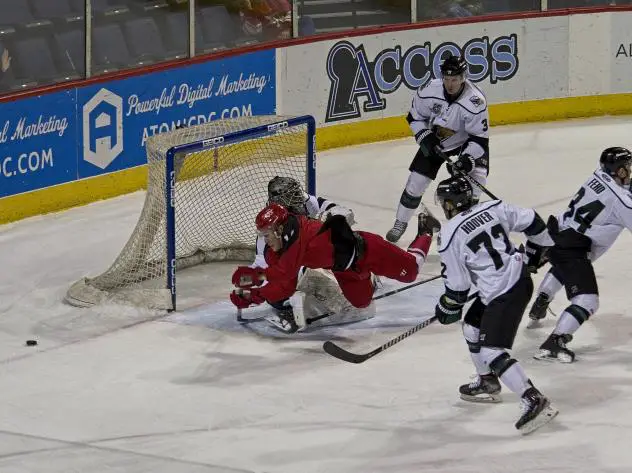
380, 296
338, 352
243, 320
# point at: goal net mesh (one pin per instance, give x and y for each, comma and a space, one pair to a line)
218, 193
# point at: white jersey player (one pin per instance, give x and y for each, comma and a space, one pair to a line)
322, 293
475, 249
448, 114
588, 227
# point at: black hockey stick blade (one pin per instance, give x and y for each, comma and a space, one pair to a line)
337, 352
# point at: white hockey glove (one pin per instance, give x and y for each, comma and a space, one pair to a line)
338, 210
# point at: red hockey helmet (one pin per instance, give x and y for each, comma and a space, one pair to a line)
271, 216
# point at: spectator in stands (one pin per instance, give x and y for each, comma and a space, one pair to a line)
269, 19
436, 9
6, 60
5, 63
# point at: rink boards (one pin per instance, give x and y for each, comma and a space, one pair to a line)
80, 143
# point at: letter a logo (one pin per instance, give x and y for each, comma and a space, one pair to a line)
103, 128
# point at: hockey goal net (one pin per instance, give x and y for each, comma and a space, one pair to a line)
205, 186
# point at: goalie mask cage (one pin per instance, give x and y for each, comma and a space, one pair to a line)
205, 186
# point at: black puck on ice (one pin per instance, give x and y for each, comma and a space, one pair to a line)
31, 343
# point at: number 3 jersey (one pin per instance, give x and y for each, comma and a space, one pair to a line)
600, 210
475, 248
462, 124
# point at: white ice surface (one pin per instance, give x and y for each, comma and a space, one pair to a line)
118, 390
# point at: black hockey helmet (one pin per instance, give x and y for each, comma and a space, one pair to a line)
287, 192
453, 66
454, 195
616, 161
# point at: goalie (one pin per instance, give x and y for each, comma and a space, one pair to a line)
288, 193
294, 241
321, 291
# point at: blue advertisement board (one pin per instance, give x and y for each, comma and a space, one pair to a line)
97, 129
38, 142
118, 117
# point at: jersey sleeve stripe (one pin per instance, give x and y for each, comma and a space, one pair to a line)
535, 227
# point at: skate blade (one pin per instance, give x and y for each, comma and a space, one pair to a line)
546, 416
545, 355
483, 399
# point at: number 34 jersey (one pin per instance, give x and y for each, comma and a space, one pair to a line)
475, 248
600, 210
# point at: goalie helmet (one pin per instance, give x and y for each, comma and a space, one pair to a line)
271, 217
616, 162
454, 195
288, 193
453, 66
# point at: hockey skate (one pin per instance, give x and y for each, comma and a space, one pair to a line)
554, 349
395, 233
286, 321
486, 388
538, 310
426, 222
536, 411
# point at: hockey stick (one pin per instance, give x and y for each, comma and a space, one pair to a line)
344, 355
243, 320
380, 296
447, 159
338, 352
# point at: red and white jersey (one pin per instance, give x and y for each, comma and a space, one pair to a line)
304, 244
461, 124
314, 207
600, 210
475, 248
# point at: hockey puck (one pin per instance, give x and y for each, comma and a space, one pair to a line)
31, 343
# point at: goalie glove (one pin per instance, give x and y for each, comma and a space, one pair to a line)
448, 311
338, 210
243, 299
246, 277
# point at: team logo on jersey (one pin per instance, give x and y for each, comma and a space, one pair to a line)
476, 101
358, 84
443, 132
436, 108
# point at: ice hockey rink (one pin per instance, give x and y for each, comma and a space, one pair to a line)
120, 390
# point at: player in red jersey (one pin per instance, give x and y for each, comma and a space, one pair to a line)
295, 241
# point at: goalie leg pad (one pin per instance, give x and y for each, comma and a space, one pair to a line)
322, 292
